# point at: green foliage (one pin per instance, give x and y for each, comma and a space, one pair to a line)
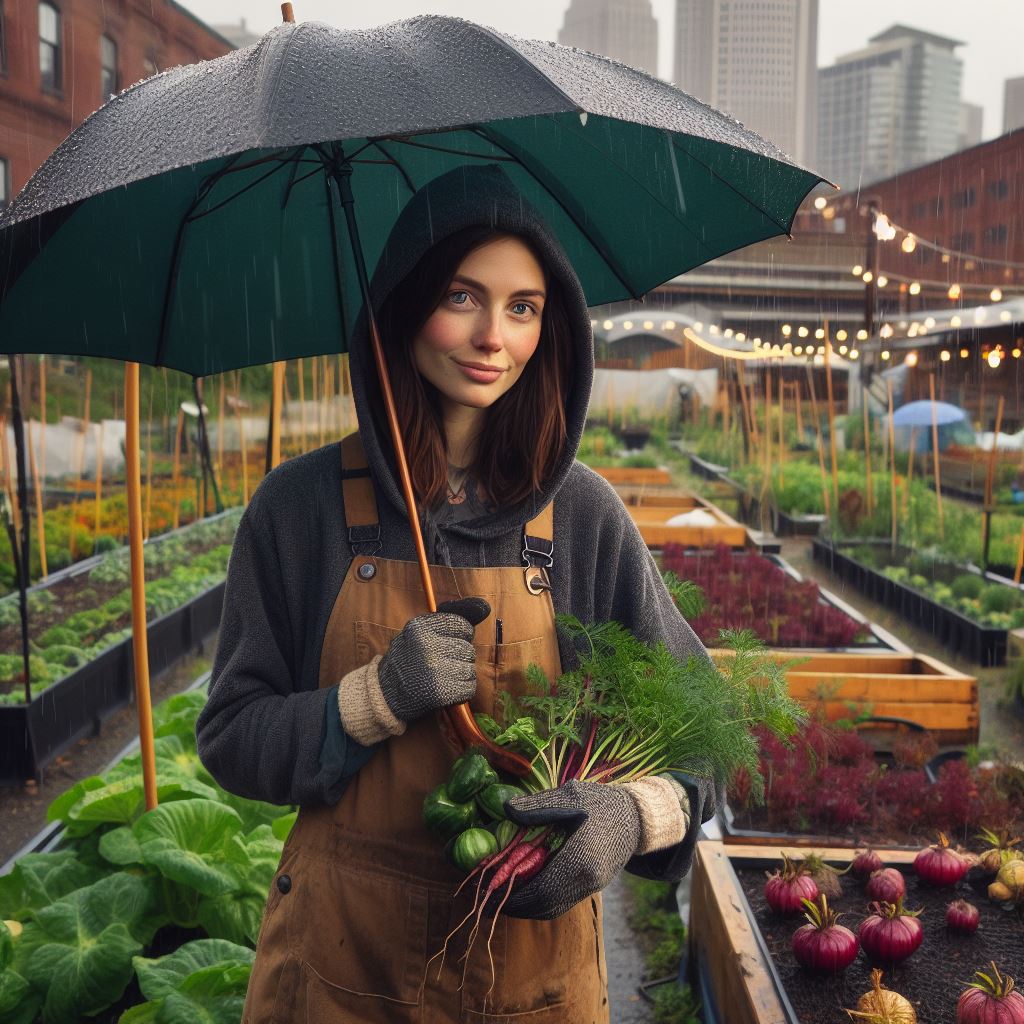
203, 859
999, 598
967, 585
688, 597
645, 711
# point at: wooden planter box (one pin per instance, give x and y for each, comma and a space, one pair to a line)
651, 513
910, 686
985, 645
708, 470
651, 476
729, 964
782, 524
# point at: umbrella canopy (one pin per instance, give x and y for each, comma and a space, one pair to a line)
194, 220
919, 414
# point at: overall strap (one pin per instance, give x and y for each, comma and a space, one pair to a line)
364, 523
357, 494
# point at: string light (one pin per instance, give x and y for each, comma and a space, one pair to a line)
964, 353
628, 325
820, 333
799, 350
867, 277
915, 288
885, 353
862, 335
787, 330
842, 350
994, 359
820, 203
955, 321
883, 229
944, 356
1016, 353
841, 335
802, 332
954, 292
911, 359
854, 353
996, 294
882, 280
648, 325
857, 270
909, 244
609, 324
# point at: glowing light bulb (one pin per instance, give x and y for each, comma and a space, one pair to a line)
842, 350
841, 335
885, 354
854, 353
857, 270
862, 335
964, 353
994, 359
799, 350
802, 332
787, 330
911, 359
608, 324
820, 203
648, 325
882, 280
867, 277
944, 356
915, 288
954, 292
820, 333
1016, 353
909, 244
996, 294
955, 321
627, 325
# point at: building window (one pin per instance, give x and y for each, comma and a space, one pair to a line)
963, 199
997, 189
995, 234
150, 67
5, 182
49, 47
108, 67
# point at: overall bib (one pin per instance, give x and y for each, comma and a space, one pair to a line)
363, 896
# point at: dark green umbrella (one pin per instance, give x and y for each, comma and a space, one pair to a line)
206, 218
194, 220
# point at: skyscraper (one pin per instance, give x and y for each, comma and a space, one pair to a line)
1013, 104
756, 60
623, 29
893, 105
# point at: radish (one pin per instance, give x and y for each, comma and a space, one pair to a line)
990, 999
822, 944
890, 934
786, 890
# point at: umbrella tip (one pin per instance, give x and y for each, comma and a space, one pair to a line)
287, 14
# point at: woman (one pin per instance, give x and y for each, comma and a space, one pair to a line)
328, 670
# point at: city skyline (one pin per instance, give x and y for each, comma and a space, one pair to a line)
991, 52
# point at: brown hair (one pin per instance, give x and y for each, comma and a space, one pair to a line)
525, 430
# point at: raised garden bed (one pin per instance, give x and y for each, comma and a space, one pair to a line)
781, 523
745, 590
706, 469
878, 783
744, 970
650, 476
985, 645
651, 513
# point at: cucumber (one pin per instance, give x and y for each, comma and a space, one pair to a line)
492, 798
472, 846
469, 775
445, 816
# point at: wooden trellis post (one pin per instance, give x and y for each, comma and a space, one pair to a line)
892, 465
935, 451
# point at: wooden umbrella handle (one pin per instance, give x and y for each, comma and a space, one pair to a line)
458, 720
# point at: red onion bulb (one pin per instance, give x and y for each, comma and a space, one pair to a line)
866, 862
962, 916
822, 944
786, 890
938, 864
887, 885
991, 999
890, 934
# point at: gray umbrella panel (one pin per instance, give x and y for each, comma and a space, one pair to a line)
192, 221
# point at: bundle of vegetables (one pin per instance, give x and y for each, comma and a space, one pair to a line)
628, 710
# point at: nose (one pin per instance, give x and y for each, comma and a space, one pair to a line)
488, 337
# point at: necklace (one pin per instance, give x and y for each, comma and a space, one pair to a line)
457, 483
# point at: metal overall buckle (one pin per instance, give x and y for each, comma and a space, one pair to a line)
536, 574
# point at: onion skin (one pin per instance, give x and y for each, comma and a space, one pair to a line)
882, 1006
889, 935
866, 863
991, 999
887, 886
822, 945
962, 916
786, 890
940, 865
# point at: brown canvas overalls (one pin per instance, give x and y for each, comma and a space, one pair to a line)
363, 896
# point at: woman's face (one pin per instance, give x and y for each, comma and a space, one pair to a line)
475, 344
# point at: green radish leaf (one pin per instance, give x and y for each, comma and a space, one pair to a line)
82, 955
144, 1013
120, 847
38, 879
160, 976
59, 808
216, 994
19, 1004
186, 840
235, 917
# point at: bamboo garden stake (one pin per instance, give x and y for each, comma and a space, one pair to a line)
799, 412
826, 501
99, 482
241, 439
220, 426
990, 477
892, 465
1020, 558
302, 404
149, 459
42, 419
935, 451
910, 468
80, 469
831, 417
868, 490
40, 526
175, 496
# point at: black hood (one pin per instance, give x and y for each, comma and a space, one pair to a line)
463, 198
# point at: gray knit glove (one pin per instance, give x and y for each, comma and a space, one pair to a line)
429, 664
604, 832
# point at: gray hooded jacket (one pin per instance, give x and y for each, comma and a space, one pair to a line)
268, 732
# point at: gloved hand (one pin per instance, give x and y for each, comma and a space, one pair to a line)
607, 826
429, 665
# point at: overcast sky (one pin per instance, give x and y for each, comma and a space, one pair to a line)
992, 30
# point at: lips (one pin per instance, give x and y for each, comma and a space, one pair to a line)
481, 366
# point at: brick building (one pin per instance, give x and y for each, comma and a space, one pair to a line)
61, 59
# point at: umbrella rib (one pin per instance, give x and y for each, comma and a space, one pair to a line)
401, 170
406, 140
241, 191
597, 242
325, 160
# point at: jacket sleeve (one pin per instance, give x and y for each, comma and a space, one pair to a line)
633, 593
258, 735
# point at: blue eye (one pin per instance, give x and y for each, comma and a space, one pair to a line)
527, 308
451, 298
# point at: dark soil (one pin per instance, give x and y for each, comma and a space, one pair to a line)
932, 978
